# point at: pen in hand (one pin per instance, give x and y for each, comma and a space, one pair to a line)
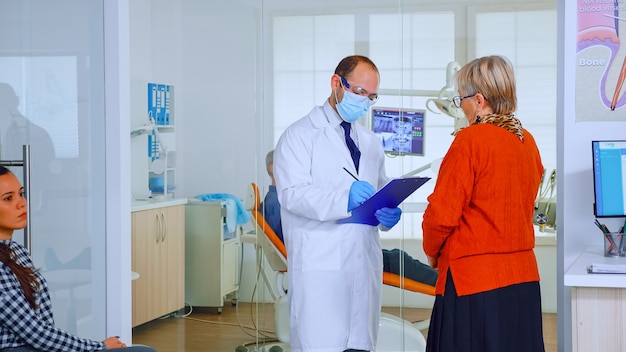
350, 173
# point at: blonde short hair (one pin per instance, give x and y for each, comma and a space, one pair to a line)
491, 76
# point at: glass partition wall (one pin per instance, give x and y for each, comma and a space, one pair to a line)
417, 48
245, 70
52, 99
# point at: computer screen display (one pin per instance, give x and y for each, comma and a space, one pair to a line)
400, 130
609, 178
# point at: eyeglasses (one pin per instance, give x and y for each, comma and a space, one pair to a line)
361, 91
457, 99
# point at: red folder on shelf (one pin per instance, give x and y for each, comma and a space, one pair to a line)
390, 196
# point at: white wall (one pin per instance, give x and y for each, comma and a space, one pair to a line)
155, 57
117, 106
220, 98
575, 179
208, 50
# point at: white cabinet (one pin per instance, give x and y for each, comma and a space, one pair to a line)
598, 318
158, 256
598, 309
212, 255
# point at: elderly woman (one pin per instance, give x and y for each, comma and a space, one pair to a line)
478, 227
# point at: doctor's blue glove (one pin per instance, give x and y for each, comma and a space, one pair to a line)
360, 191
388, 217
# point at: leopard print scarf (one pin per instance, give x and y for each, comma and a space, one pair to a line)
509, 122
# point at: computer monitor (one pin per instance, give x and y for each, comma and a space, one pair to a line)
609, 178
400, 130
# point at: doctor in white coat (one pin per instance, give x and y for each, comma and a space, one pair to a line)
335, 270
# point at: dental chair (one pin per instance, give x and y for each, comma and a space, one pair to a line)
270, 246
394, 334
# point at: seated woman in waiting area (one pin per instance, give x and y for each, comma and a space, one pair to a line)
26, 322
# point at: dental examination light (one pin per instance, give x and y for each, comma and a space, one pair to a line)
442, 100
444, 103
420, 207
433, 165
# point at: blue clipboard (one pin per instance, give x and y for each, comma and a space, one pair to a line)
390, 196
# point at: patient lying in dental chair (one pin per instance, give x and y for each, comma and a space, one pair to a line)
394, 260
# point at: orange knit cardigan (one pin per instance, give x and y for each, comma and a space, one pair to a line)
478, 222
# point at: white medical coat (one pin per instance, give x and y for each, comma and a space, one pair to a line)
335, 270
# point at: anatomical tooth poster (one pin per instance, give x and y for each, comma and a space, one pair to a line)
601, 61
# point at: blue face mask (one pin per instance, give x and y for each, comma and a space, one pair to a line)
353, 106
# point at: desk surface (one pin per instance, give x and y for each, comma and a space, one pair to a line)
148, 204
577, 274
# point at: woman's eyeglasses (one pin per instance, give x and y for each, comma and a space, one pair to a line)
457, 99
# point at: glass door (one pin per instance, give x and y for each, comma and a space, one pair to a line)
51, 98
